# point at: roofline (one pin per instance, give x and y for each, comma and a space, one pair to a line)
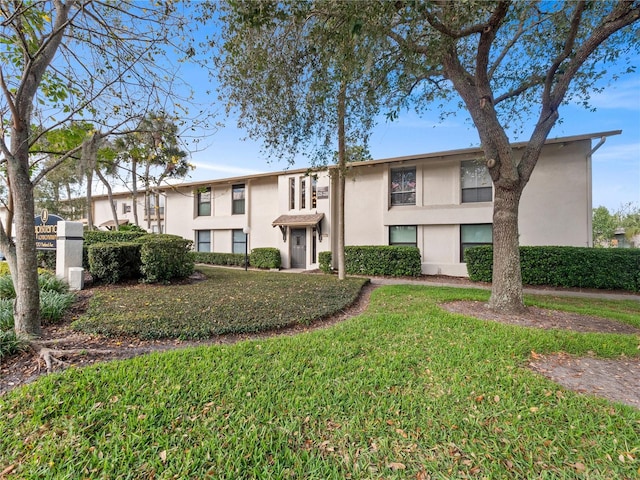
446, 153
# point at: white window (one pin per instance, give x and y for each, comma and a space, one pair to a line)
403, 235
204, 202
474, 235
238, 199
403, 186
476, 182
239, 241
203, 240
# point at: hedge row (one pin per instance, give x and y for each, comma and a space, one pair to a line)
259, 258
377, 260
92, 237
582, 267
151, 257
214, 258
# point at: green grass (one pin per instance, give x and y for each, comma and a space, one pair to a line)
406, 390
228, 301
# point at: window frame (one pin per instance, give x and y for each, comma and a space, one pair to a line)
303, 193
314, 192
199, 242
406, 244
292, 193
409, 196
465, 245
238, 206
235, 242
477, 193
200, 204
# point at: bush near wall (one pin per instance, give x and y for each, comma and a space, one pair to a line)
265, 258
109, 236
582, 267
214, 258
114, 262
378, 260
165, 257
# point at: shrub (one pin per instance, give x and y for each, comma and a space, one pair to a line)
114, 262
214, 258
51, 283
325, 262
92, 237
582, 267
4, 268
53, 305
6, 287
47, 259
377, 260
265, 258
165, 257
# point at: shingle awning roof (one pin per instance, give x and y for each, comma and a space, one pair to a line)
298, 220
111, 223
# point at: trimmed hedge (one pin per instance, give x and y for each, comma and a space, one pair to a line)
214, 258
582, 267
114, 262
265, 258
388, 260
325, 262
109, 236
164, 257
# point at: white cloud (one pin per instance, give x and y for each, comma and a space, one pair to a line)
624, 94
625, 153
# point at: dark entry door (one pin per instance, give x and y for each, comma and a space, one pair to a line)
298, 238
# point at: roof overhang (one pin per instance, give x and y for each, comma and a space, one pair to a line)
292, 221
111, 223
309, 220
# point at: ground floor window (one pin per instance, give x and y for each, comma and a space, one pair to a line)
203, 240
474, 235
239, 241
403, 235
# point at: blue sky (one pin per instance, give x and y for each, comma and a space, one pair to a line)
616, 165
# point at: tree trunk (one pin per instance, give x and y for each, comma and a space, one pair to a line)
134, 191
506, 291
26, 309
89, 200
157, 210
114, 210
342, 167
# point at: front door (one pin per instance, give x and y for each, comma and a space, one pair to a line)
298, 238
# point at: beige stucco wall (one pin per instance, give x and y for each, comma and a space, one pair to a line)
555, 208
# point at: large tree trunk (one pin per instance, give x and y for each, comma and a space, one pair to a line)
342, 167
506, 291
89, 199
26, 310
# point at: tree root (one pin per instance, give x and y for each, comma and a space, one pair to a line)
52, 357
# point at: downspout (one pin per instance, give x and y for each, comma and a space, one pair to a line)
590, 191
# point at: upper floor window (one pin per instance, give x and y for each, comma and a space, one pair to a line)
292, 193
403, 186
406, 235
238, 199
204, 201
473, 235
303, 193
475, 181
314, 192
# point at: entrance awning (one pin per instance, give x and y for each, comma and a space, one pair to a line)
293, 221
310, 220
111, 223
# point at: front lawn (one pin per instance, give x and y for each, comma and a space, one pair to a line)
405, 390
227, 301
